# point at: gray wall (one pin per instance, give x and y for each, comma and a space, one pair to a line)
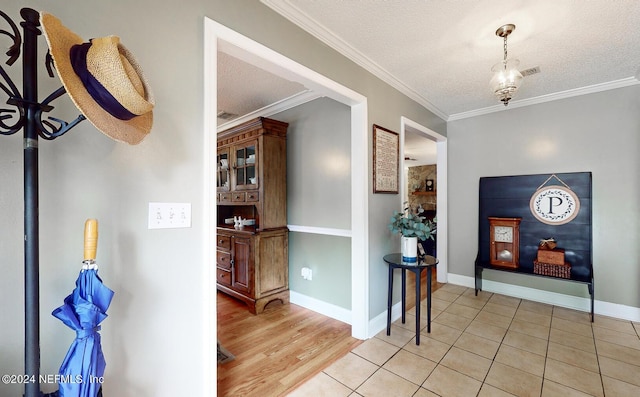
153, 335
153, 338
598, 133
319, 164
329, 257
319, 195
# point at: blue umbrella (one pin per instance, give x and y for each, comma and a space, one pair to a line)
82, 369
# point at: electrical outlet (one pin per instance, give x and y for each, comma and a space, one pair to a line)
306, 273
169, 215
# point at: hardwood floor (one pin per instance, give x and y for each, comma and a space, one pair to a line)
283, 347
276, 350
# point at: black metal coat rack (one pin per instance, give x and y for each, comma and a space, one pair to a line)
29, 119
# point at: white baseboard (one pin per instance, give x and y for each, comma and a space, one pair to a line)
376, 325
318, 306
379, 323
464, 281
553, 298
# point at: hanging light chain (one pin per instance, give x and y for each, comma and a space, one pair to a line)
505, 49
507, 78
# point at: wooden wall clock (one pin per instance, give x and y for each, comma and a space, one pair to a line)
504, 237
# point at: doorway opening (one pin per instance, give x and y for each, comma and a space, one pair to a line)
431, 148
217, 37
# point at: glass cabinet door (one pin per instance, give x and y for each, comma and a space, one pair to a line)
245, 169
223, 176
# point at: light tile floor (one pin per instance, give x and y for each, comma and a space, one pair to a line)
489, 345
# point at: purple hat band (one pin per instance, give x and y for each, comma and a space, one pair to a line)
78, 56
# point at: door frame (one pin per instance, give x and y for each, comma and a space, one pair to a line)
441, 194
218, 36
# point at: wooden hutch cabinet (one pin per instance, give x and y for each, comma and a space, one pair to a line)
252, 260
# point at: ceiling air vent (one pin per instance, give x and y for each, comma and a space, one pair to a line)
226, 115
530, 71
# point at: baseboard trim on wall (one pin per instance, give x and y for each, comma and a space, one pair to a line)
318, 306
379, 323
376, 325
552, 298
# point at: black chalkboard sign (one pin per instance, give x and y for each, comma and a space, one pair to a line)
510, 196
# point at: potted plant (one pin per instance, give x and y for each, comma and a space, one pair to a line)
412, 226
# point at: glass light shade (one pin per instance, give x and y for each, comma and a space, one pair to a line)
506, 79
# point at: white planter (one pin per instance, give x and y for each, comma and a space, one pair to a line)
409, 249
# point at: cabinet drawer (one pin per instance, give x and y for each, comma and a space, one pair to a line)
223, 276
225, 197
238, 196
223, 259
223, 242
253, 196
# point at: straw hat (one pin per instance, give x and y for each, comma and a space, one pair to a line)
103, 80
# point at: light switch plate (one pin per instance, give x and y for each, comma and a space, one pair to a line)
169, 215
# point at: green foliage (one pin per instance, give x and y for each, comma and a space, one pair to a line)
412, 224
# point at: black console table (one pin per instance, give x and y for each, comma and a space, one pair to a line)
425, 262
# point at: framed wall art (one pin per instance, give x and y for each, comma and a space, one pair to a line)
386, 153
554, 205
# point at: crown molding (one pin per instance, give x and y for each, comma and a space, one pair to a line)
302, 20
612, 85
325, 35
277, 107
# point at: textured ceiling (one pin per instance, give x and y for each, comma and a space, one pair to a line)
440, 52
245, 89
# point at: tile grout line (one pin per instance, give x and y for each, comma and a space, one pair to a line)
546, 352
595, 347
554, 314
483, 381
499, 346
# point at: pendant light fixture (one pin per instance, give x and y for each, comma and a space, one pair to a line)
506, 76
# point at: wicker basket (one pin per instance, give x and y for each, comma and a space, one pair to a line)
549, 269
